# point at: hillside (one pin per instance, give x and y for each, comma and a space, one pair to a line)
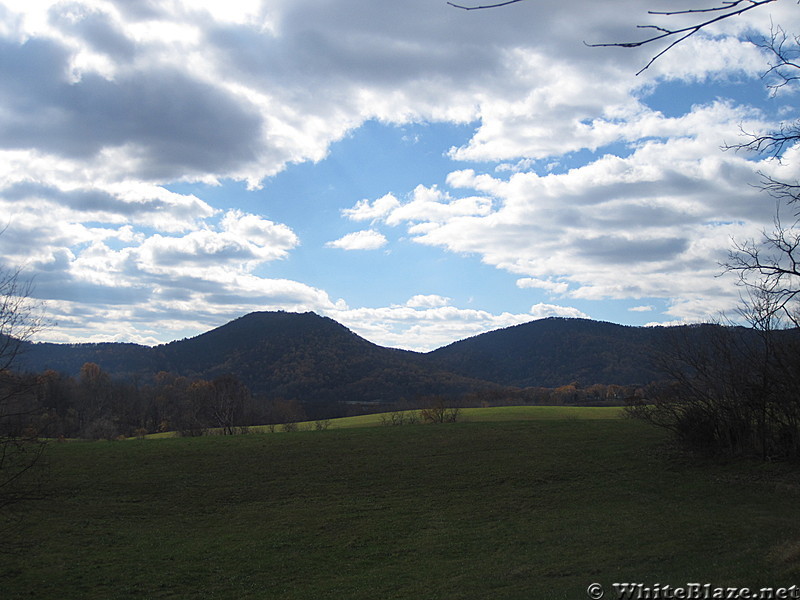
315, 358
556, 351
309, 356
280, 354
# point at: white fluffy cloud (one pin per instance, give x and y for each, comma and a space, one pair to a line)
642, 308
181, 90
367, 239
424, 328
554, 287
428, 301
654, 223
541, 311
364, 210
106, 104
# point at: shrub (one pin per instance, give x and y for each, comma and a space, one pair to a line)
438, 411
734, 392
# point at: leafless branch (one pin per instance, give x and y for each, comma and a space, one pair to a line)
496, 5
781, 190
785, 52
772, 143
724, 11
771, 269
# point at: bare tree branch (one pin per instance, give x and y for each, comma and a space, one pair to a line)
497, 5
773, 143
678, 35
771, 269
784, 50
725, 10
781, 190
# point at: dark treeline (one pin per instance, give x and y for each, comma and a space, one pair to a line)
736, 394
94, 405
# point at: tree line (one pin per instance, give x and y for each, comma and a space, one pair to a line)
736, 394
94, 405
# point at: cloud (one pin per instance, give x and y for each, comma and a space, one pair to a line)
644, 308
424, 204
427, 322
101, 280
192, 91
554, 287
175, 306
654, 223
428, 301
364, 210
360, 240
105, 105
542, 311
129, 203
422, 328
165, 123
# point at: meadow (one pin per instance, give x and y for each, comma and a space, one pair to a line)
507, 504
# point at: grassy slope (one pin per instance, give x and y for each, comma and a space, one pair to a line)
524, 509
472, 415
501, 413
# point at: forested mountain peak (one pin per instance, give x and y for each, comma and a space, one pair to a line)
555, 351
272, 324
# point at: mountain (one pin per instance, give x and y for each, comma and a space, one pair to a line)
282, 354
556, 351
319, 360
122, 359
309, 356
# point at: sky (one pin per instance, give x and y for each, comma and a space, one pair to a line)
419, 173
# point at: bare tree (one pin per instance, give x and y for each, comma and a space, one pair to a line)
20, 446
227, 399
771, 269
438, 409
731, 390
20, 317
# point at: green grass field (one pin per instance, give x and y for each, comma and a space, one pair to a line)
501, 413
496, 413
473, 415
532, 508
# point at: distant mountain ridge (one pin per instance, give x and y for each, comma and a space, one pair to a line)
304, 355
556, 351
